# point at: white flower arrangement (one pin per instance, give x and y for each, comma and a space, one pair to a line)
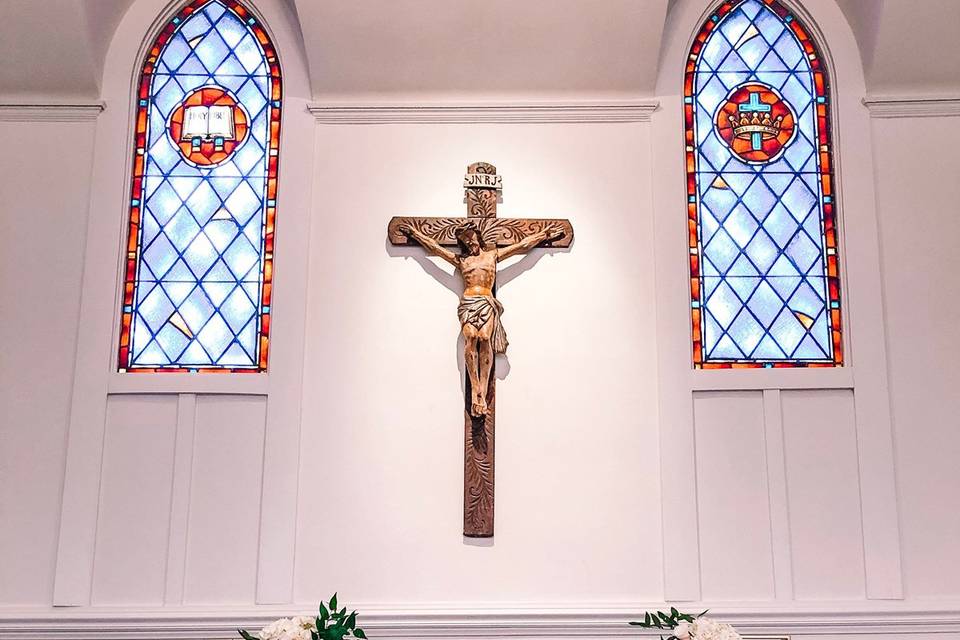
683, 626
298, 628
330, 624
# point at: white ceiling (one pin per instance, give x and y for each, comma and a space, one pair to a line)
433, 49
907, 46
493, 47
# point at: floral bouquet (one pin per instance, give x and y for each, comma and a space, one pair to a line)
330, 624
683, 626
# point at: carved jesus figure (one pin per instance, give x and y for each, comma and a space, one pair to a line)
479, 311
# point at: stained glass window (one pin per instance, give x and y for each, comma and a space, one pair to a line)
765, 289
199, 256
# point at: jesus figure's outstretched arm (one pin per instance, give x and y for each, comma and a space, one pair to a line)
550, 233
430, 244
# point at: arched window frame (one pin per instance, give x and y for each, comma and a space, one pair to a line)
864, 371
827, 201
96, 380
137, 184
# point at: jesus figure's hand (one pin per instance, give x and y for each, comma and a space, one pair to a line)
554, 231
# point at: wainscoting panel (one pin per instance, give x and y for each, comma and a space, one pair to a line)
732, 496
135, 487
224, 511
823, 489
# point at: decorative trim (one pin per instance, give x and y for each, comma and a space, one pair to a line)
474, 113
758, 379
50, 112
256, 385
929, 106
487, 622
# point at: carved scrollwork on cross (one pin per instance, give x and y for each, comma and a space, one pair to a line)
501, 232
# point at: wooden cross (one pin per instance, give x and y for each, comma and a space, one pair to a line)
479, 312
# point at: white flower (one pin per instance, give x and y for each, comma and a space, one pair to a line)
297, 628
682, 631
707, 629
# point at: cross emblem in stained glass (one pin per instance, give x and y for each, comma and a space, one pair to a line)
755, 122
756, 107
765, 288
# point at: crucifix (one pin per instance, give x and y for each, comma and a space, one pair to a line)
484, 240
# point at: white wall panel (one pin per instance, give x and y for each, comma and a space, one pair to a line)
224, 513
917, 169
135, 485
736, 559
823, 489
577, 511
41, 258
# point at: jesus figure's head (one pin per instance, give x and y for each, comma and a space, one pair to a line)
469, 240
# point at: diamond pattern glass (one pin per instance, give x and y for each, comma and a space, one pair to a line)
199, 265
765, 289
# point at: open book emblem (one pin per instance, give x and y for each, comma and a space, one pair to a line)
208, 123
208, 126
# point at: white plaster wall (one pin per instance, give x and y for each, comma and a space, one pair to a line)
578, 458
380, 463
44, 195
917, 187
577, 473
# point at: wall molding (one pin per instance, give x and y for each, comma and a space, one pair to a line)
50, 112
928, 106
484, 113
601, 621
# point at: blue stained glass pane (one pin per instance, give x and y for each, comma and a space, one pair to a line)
199, 272
764, 294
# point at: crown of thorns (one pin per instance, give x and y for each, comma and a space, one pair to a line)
467, 228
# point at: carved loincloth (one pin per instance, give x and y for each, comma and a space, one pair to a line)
478, 311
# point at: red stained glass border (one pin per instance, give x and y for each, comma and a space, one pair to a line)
822, 87
136, 191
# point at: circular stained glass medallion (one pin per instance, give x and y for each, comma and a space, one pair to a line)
208, 126
755, 122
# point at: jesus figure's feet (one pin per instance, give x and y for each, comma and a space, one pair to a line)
479, 406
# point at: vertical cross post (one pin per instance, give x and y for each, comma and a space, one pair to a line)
478, 449
754, 106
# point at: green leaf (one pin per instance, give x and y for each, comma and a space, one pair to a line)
351, 621
245, 635
674, 613
358, 633
646, 618
333, 602
324, 614
702, 613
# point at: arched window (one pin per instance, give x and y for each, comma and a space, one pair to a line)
199, 255
765, 289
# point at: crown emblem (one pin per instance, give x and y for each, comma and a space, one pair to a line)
749, 124
755, 122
